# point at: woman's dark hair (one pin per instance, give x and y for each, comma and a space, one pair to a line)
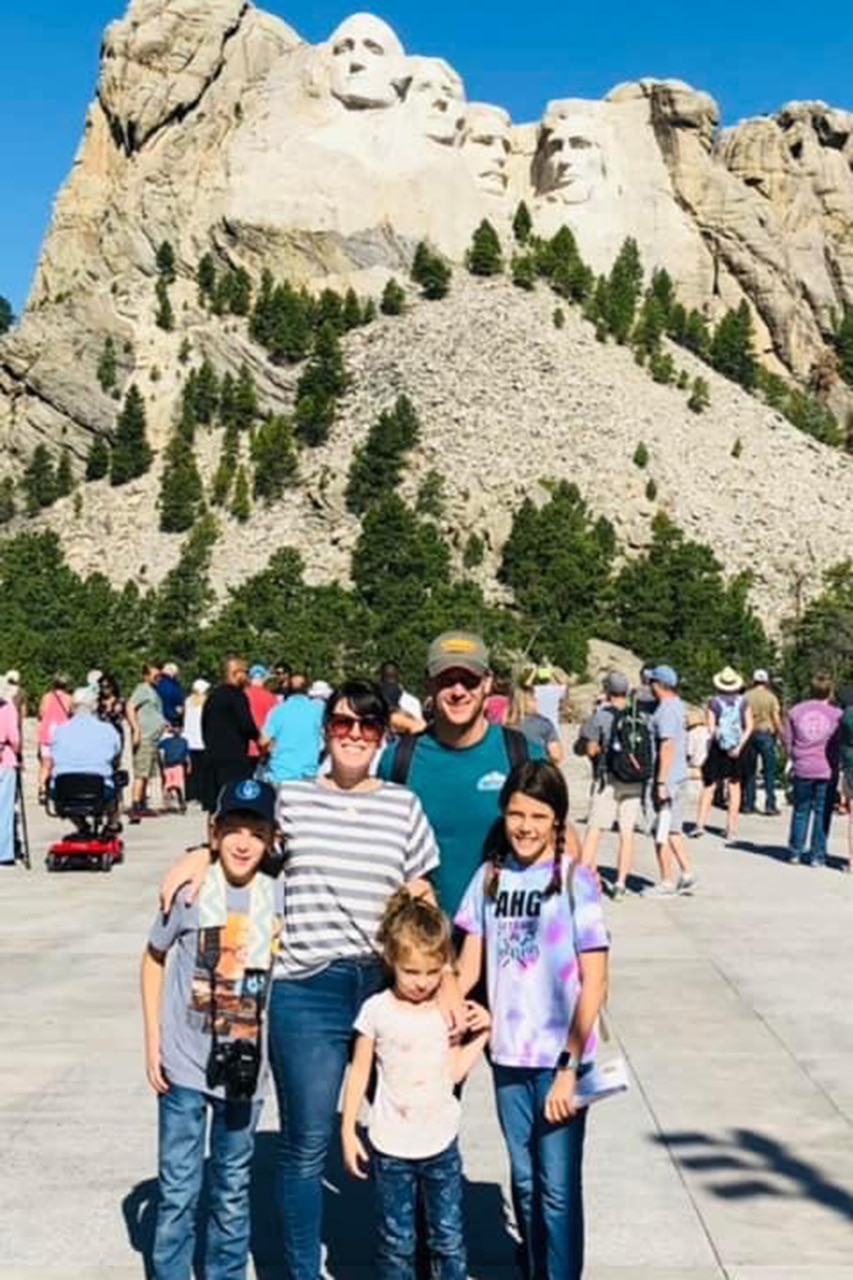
62, 680
543, 781
107, 684
365, 698
822, 685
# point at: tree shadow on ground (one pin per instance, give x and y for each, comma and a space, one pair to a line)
750, 1164
349, 1229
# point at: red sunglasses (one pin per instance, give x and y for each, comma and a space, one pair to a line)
372, 728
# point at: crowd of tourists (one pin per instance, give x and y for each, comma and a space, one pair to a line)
386, 887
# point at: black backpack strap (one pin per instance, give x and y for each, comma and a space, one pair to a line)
516, 746
404, 752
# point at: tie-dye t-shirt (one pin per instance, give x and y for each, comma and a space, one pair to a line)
531, 946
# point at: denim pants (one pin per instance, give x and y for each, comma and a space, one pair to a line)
8, 782
435, 1181
761, 746
183, 1126
809, 802
546, 1173
310, 1029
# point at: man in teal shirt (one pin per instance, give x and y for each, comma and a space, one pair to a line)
458, 766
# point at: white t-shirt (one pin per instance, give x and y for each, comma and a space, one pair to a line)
548, 699
411, 706
415, 1113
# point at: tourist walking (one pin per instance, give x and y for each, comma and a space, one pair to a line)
766, 727
537, 729
227, 728
10, 737
193, 708
533, 919
811, 733
261, 700
670, 789
145, 716
292, 735
730, 725
54, 709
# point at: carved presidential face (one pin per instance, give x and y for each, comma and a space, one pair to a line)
366, 63
486, 146
435, 97
569, 163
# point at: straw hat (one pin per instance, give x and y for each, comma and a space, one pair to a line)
728, 681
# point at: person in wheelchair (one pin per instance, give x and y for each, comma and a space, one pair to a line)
91, 747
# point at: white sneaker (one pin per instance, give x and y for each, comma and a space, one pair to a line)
665, 889
686, 884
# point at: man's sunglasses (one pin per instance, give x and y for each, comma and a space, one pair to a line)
372, 728
457, 675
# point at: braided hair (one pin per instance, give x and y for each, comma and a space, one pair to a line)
540, 780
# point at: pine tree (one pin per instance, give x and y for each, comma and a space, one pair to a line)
228, 459
7, 315
227, 395
107, 365
39, 480
131, 453
8, 506
330, 311
274, 456
206, 396
641, 456
240, 302
206, 278
166, 263
322, 382
431, 272
185, 351
624, 287
241, 506
523, 269
522, 224
181, 490
164, 317
245, 399
64, 474
731, 347
430, 500
368, 314
484, 258
393, 299
700, 396
97, 459
377, 465
662, 367
351, 313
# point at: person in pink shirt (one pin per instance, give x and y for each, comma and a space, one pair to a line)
54, 709
811, 736
261, 700
10, 746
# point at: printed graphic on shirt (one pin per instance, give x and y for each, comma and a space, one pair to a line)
222, 981
518, 934
491, 781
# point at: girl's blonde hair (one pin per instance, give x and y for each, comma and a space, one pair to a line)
523, 703
410, 922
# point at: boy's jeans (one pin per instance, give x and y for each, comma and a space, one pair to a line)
439, 1180
809, 802
183, 1126
546, 1170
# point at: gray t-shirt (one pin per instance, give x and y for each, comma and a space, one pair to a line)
669, 722
149, 709
185, 1020
539, 730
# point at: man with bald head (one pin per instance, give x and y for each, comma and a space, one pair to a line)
227, 729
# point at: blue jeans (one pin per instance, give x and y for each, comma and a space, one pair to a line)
310, 1029
546, 1172
809, 802
762, 746
183, 1126
8, 783
437, 1181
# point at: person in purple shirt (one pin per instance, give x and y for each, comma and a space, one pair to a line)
811, 736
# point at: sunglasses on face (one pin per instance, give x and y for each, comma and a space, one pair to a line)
468, 679
372, 728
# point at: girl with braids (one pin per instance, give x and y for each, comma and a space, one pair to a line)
414, 1119
533, 914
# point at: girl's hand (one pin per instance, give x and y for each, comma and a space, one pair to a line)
560, 1104
477, 1018
189, 870
154, 1069
356, 1159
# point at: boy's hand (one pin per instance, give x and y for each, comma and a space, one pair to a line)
354, 1154
189, 870
154, 1069
477, 1018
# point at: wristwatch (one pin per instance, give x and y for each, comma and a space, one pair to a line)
567, 1061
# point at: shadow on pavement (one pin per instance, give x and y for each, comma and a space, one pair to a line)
348, 1222
746, 1161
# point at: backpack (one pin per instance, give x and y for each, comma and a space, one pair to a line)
729, 730
630, 754
514, 742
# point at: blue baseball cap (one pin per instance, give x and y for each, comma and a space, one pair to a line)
258, 672
664, 675
247, 796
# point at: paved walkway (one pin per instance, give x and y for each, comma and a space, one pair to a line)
732, 1156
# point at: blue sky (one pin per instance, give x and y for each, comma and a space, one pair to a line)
751, 57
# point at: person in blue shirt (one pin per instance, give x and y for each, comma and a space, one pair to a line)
292, 734
171, 693
458, 767
85, 744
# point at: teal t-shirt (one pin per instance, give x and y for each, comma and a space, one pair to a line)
459, 790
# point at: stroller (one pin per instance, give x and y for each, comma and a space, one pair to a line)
86, 800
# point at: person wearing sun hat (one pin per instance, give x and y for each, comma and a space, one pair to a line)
730, 725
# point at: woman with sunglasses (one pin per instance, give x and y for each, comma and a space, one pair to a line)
350, 840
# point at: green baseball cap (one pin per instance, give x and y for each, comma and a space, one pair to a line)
457, 649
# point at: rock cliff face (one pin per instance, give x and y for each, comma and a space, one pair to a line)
217, 128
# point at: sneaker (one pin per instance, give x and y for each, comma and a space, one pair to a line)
818, 862
665, 889
695, 833
687, 884
618, 892
794, 859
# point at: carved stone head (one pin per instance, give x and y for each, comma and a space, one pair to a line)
486, 146
570, 162
366, 59
435, 97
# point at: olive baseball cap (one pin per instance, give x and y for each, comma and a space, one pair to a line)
462, 650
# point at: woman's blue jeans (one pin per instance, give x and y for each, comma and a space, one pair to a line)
809, 803
546, 1162
310, 1029
183, 1129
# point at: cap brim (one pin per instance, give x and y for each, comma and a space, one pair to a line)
455, 663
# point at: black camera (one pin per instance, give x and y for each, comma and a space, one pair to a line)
235, 1065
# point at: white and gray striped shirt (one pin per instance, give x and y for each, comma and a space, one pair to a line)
346, 853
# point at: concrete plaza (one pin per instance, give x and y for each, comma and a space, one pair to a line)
732, 1156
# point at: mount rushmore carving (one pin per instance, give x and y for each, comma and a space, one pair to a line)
215, 126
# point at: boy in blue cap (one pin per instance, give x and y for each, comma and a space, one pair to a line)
205, 1035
